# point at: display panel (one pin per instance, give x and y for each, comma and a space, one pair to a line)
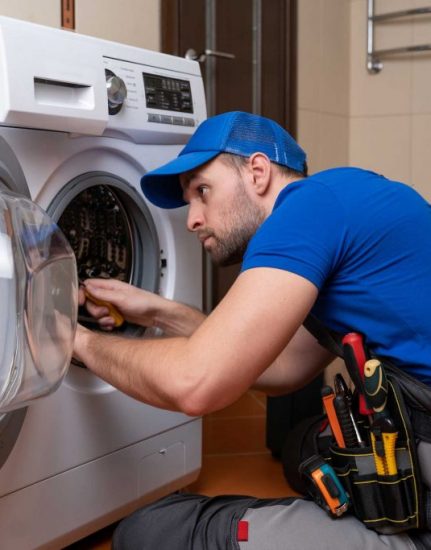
168, 94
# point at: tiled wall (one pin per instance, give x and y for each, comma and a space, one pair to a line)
134, 22
390, 128
323, 81
348, 116
44, 12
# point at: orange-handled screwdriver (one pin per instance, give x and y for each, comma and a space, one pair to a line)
113, 311
328, 397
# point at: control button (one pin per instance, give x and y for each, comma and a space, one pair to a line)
166, 119
189, 121
153, 117
178, 120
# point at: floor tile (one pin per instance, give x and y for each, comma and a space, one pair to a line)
259, 475
234, 435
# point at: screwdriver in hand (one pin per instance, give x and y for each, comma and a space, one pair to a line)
113, 311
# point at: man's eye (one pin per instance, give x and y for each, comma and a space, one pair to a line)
202, 189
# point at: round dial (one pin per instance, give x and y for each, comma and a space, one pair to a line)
116, 90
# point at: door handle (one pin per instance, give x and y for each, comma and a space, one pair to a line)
201, 57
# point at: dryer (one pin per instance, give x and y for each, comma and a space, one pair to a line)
81, 119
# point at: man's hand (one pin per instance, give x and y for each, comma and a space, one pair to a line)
140, 307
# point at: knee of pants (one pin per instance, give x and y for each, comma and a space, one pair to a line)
160, 525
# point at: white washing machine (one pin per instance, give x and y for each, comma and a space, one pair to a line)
81, 120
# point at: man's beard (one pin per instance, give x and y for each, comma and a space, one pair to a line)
242, 218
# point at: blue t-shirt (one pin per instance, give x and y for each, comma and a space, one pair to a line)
365, 242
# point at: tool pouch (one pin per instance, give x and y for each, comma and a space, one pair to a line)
388, 503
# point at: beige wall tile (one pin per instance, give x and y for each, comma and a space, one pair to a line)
421, 147
44, 12
309, 53
333, 141
388, 92
382, 144
323, 55
421, 64
334, 65
134, 22
308, 135
325, 138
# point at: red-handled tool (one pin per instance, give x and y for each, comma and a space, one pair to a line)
355, 358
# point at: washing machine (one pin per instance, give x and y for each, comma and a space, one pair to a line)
81, 119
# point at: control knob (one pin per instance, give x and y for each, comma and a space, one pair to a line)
116, 90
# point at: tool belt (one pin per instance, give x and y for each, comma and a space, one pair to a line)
376, 460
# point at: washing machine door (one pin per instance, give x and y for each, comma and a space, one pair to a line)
38, 297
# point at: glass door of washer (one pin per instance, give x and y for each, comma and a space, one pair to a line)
38, 293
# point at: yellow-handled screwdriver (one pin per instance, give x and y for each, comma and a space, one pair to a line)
113, 311
383, 428
383, 439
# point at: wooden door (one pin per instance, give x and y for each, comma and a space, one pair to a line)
261, 78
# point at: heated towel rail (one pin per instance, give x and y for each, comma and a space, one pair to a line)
374, 57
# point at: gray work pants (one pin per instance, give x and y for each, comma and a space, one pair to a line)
196, 522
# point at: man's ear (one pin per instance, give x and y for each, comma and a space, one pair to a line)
260, 170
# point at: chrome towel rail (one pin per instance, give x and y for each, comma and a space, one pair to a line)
374, 63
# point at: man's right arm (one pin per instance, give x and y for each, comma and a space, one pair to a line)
141, 307
176, 319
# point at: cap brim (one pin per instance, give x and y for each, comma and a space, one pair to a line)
162, 186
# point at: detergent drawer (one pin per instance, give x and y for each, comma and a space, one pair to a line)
38, 293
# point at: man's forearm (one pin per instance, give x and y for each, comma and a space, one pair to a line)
176, 319
130, 365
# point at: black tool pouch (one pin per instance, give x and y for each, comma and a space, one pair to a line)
386, 503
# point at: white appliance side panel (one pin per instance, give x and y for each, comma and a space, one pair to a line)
64, 508
82, 421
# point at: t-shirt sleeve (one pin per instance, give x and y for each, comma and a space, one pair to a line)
304, 234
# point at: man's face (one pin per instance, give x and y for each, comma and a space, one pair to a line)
221, 212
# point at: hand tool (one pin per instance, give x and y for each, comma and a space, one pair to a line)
330, 493
342, 411
328, 397
376, 386
383, 429
355, 358
341, 389
113, 311
383, 439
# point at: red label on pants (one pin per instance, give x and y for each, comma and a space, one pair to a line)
242, 531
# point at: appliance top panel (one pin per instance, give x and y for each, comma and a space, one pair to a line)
59, 80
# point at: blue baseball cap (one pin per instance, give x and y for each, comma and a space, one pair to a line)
235, 132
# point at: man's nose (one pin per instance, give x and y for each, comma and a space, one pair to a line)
194, 218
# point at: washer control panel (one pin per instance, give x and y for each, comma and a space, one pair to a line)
143, 99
